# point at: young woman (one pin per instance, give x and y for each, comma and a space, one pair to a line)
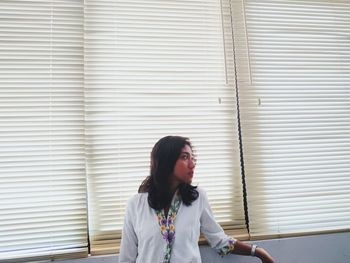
164, 220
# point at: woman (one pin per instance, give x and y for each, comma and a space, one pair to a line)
164, 220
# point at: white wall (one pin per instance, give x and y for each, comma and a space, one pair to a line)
330, 248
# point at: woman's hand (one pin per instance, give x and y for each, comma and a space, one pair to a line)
264, 256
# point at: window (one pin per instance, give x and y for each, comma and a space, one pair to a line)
88, 87
42, 169
154, 68
294, 101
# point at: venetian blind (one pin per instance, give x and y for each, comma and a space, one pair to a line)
42, 174
294, 67
157, 68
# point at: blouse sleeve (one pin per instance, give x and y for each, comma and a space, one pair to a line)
213, 232
128, 247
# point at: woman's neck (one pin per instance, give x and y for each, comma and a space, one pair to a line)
174, 185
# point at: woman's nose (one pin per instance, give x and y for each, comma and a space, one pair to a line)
192, 162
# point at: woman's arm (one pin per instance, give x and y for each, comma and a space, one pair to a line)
221, 242
129, 242
241, 248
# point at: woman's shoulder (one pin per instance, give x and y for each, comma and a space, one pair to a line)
201, 191
202, 194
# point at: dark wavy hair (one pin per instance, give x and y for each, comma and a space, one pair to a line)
163, 159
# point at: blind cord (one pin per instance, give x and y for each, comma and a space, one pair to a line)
245, 202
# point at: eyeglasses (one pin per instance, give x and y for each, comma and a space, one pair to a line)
187, 156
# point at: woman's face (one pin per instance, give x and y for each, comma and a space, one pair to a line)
184, 167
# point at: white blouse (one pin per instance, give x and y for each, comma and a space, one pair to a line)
142, 240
